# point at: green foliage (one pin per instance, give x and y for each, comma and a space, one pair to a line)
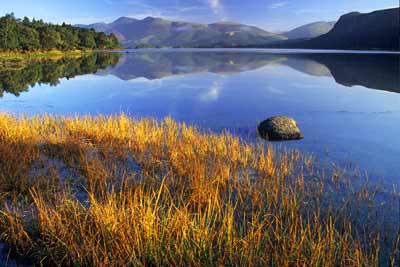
28, 38
26, 35
8, 32
50, 38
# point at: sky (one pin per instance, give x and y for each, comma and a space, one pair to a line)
273, 15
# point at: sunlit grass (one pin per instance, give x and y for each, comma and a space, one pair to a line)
19, 60
40, 53
113, 191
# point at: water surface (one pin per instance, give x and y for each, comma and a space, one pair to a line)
347, 104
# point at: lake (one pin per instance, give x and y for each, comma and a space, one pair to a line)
347, 104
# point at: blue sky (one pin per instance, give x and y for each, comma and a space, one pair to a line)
275, 15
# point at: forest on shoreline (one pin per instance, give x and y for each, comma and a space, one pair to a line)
25, 35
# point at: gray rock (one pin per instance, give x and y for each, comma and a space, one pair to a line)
279, 128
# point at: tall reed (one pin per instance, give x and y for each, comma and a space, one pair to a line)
113, 191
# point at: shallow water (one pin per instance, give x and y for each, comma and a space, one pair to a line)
7, 260
347, 104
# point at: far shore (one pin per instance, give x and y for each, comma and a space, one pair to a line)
260, 49
44, 53
21, 55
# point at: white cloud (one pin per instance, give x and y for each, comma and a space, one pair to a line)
216, 6
278, 5
212, 94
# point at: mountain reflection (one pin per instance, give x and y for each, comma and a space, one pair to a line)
158, 65
375, 71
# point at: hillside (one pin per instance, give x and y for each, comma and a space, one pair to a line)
376, 30
310, 30
157, 32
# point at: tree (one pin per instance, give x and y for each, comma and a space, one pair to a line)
28, 38
70, 38
87, 39
8, 32
26, 35
26, 21
113, 42
102, 40
50, 38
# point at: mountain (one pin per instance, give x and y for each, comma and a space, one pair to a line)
158, 32
311, 30
378, 30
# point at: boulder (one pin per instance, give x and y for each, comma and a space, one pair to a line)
279, 128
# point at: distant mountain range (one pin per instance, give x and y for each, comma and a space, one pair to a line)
157, 32
377, 30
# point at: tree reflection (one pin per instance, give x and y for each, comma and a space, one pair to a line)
19, 79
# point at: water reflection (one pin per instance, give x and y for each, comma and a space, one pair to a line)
375, 71
20, 76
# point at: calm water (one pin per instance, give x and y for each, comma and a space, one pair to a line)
347, 105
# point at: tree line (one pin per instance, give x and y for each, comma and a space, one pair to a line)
31, 35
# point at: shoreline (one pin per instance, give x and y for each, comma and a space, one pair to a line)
251, 49
58, 53
40, 54
17, 60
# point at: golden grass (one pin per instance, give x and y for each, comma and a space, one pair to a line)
112, 191
19, 60
40, 53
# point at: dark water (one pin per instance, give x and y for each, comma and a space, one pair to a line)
347, 104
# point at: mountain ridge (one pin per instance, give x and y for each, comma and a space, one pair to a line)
159, 32
377, 30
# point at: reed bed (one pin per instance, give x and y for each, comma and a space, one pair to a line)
114, 191
39, 53
19, 60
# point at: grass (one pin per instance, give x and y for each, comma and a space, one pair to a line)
40, 54
113, 191
18, 60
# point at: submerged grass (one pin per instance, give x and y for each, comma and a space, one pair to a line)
113, 191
